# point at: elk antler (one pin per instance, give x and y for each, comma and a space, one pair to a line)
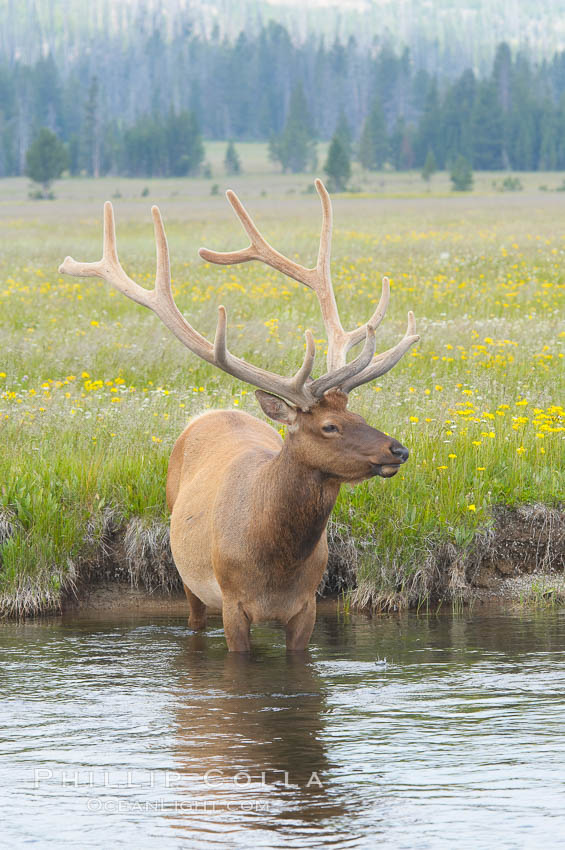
296, 389
341, 374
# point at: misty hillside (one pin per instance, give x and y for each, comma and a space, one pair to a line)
133, 88
444, 36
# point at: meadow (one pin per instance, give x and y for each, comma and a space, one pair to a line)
94, 390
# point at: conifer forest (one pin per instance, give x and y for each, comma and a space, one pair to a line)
142, 106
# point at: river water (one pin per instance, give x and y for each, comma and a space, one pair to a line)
134, 731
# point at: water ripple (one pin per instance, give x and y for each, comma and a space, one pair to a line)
148, 731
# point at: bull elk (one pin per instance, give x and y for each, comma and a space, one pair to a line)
249, 510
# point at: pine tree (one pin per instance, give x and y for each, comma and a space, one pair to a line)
145, 151
429, 136
338, 166
560, 133
185, 150
548, 138
400, 143
91, 131
46, 159
232, 162
430, 166
522, 119
343, 133
373, 144
487, 129
295, 148
461, 175
456, 115
502, 74
46, 97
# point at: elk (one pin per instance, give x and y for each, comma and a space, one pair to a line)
248, 509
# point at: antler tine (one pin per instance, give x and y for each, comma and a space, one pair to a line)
324, 289
293, 389
308, 364
109, 249
325, 248
160, 300
108, 267
337, 378
365, 367
385, 361
356, 335
318, 279
259, 249
163, 270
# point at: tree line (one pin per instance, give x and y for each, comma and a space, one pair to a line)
137, 114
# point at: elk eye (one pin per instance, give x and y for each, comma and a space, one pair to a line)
329, 429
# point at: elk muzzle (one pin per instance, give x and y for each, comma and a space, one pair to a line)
386, 467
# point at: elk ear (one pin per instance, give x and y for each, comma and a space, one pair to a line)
275, 408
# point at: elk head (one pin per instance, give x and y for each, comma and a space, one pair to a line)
330, 438
323, 434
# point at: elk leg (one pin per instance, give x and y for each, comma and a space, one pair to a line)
236, 627
197, 616
299, 628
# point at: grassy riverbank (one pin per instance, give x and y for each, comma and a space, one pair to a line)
94, 391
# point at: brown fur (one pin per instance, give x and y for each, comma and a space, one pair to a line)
249, 511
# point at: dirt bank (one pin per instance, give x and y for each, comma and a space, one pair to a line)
519, 558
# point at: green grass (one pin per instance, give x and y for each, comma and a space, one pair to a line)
94, 390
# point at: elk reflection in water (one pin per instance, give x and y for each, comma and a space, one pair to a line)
251, 742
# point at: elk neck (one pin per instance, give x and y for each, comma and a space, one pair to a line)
297, 501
